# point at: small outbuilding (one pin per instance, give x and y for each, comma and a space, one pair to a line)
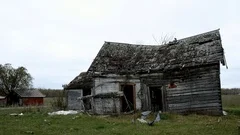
182, 76
29, 97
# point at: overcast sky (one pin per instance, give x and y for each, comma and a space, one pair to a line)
57, 39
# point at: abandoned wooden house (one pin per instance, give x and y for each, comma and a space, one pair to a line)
182, 76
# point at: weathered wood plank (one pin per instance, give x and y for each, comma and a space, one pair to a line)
189, 90
194, 93
192, 103
207, 105
199, 98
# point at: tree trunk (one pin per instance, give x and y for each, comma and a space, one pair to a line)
12, 98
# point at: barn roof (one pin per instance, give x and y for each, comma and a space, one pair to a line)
202, 49
29, 93
121, 58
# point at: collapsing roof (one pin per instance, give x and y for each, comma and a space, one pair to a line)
120, 58
83, 80
196, 50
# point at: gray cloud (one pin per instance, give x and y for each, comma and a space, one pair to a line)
56, 40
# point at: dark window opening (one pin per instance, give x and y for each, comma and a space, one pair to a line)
86, 92
128, 98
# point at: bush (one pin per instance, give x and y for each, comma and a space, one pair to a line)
59, 102
51, 92
231, 91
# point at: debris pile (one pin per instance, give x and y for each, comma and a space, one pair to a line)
15, 114
63, 112
146, 114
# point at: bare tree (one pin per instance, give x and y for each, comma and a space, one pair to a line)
163, 40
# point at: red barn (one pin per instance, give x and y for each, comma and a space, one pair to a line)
30, 97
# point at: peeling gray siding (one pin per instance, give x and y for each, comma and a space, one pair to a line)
107, 105
108, 85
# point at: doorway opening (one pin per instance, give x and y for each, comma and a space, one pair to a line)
87, 101
157, 99
128, 102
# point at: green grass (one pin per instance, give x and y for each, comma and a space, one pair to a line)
231, 101
36, 121
231, 104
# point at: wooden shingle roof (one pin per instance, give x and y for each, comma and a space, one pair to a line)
197, 50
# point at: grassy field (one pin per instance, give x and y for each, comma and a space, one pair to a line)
231, 104
37, 121
231, 101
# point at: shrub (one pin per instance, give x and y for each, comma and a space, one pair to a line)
59, 102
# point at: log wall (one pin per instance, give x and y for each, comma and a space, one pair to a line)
197, 91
